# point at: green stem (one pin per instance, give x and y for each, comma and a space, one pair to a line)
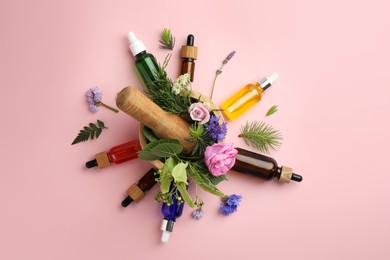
107, 106
215, 79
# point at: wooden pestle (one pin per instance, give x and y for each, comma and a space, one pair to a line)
162, 123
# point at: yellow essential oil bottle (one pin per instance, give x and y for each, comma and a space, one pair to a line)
247, 97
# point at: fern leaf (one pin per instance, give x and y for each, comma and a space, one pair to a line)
92, 132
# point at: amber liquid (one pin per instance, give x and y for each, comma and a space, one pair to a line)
255, 164
188, 66
241, 101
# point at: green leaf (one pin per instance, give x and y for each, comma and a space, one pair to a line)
92, 126
181, 186
147, 156
204, 182
215, 180
166, 149
166, 175
272, 110
179, 173
89, 132
101, 124
149, 135
98, 132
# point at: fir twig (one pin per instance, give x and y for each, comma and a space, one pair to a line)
92, 132
261, 136
167, 40
272, 110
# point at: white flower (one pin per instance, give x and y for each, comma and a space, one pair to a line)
181, 83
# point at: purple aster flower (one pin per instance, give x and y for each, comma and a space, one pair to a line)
93, 108
230, 204
215, 130
197, 214
94, 97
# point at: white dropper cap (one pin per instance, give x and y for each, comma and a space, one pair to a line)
273, 77
267, 82
165, 236
136, 46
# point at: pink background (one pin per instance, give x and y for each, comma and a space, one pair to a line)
333, 59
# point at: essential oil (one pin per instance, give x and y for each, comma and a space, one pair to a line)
145, 62
247, 97
170, 213
263, 166
189, 54
117, 154
136, 192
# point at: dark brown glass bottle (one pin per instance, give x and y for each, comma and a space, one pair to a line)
136, 192
189, 54
263, 166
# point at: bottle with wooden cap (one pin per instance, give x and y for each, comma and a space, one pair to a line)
189, 54
117, 154
263, 166
136, 192
247, 97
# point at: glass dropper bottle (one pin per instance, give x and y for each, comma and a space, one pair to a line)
136, 192
117, 154
246, 97
263, 166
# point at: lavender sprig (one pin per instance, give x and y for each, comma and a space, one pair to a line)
219, 71
94, 97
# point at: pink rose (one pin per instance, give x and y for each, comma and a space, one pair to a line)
220, 158
199, 112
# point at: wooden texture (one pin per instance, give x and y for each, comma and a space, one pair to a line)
189, 52
135, 193
286, 174
163, 124
102, 160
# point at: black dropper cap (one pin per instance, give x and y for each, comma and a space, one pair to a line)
190, 40
126, 202
296, 177
91, 163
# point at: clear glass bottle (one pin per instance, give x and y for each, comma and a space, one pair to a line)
246, 97
136, 192
145, 62
263, 166
117, 154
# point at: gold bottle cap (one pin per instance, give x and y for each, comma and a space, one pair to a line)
102, 160
135, 193
286, 174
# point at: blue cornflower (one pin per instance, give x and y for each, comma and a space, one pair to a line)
215, 130
230, 204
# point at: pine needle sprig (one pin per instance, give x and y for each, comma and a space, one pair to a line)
92, 131
167, 40
261, 136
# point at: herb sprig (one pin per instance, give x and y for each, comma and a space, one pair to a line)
167, 40
261, 136
272, 110
91, 131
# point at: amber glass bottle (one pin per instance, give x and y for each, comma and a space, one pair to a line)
136, 192
263, 166
189, 54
